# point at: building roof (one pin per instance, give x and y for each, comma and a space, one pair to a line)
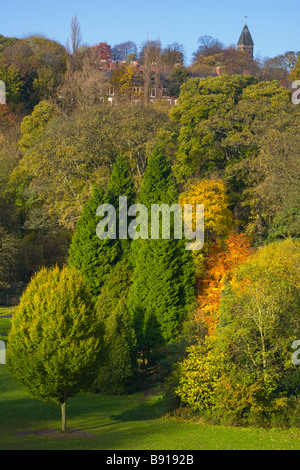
245, 38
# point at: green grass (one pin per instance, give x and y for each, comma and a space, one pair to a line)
119, 423
5, 323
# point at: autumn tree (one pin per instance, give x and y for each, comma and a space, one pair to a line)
76, 36
56, 188
15, 87
5, 41
245, 371
103, 51
7, 118
208, 46
173, 54
126, 79
232, 61
40, 62
229, 61
279, 67
196, 377
222, 144
222, 247
32, 126
259, 315
47, 52
151, 54
218, 218
83, 87
213, 195
222, 260
295, 71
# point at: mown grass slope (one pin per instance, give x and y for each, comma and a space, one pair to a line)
136, 422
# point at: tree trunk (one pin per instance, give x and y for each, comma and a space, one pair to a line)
63, 417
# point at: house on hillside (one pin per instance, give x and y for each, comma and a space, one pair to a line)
148, 81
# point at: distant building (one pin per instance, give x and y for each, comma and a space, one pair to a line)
246, 42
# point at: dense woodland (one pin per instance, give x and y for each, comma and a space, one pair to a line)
217, 326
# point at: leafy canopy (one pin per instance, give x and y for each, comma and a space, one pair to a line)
54, 341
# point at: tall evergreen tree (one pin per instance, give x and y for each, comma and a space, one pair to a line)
163, 274
118, 371
85, 249
94, 257
158, 186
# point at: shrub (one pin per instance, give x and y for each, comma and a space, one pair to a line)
198, 375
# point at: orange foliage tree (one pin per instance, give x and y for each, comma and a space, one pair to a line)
223, 258
223, 248
103, 51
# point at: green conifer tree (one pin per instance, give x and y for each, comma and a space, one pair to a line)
95, 257
118, 371
163, 274
85, 249
158, 185
56, 338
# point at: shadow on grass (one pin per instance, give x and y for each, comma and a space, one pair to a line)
144, 411
112, 419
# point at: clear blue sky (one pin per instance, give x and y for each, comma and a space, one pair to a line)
274, 25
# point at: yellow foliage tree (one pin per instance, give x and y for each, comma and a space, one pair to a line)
295, 72
126, 78
218, 218
212, 193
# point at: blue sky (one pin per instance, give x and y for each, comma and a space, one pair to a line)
274, 25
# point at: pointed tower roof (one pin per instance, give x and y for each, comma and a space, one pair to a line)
245, 38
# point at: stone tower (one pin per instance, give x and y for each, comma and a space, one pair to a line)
246, 42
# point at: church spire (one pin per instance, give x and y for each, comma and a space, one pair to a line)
246, 42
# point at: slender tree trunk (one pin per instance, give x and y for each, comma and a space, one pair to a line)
263, 355
63, 416
147, 74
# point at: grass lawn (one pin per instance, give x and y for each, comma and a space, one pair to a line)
5, 322
119, 423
